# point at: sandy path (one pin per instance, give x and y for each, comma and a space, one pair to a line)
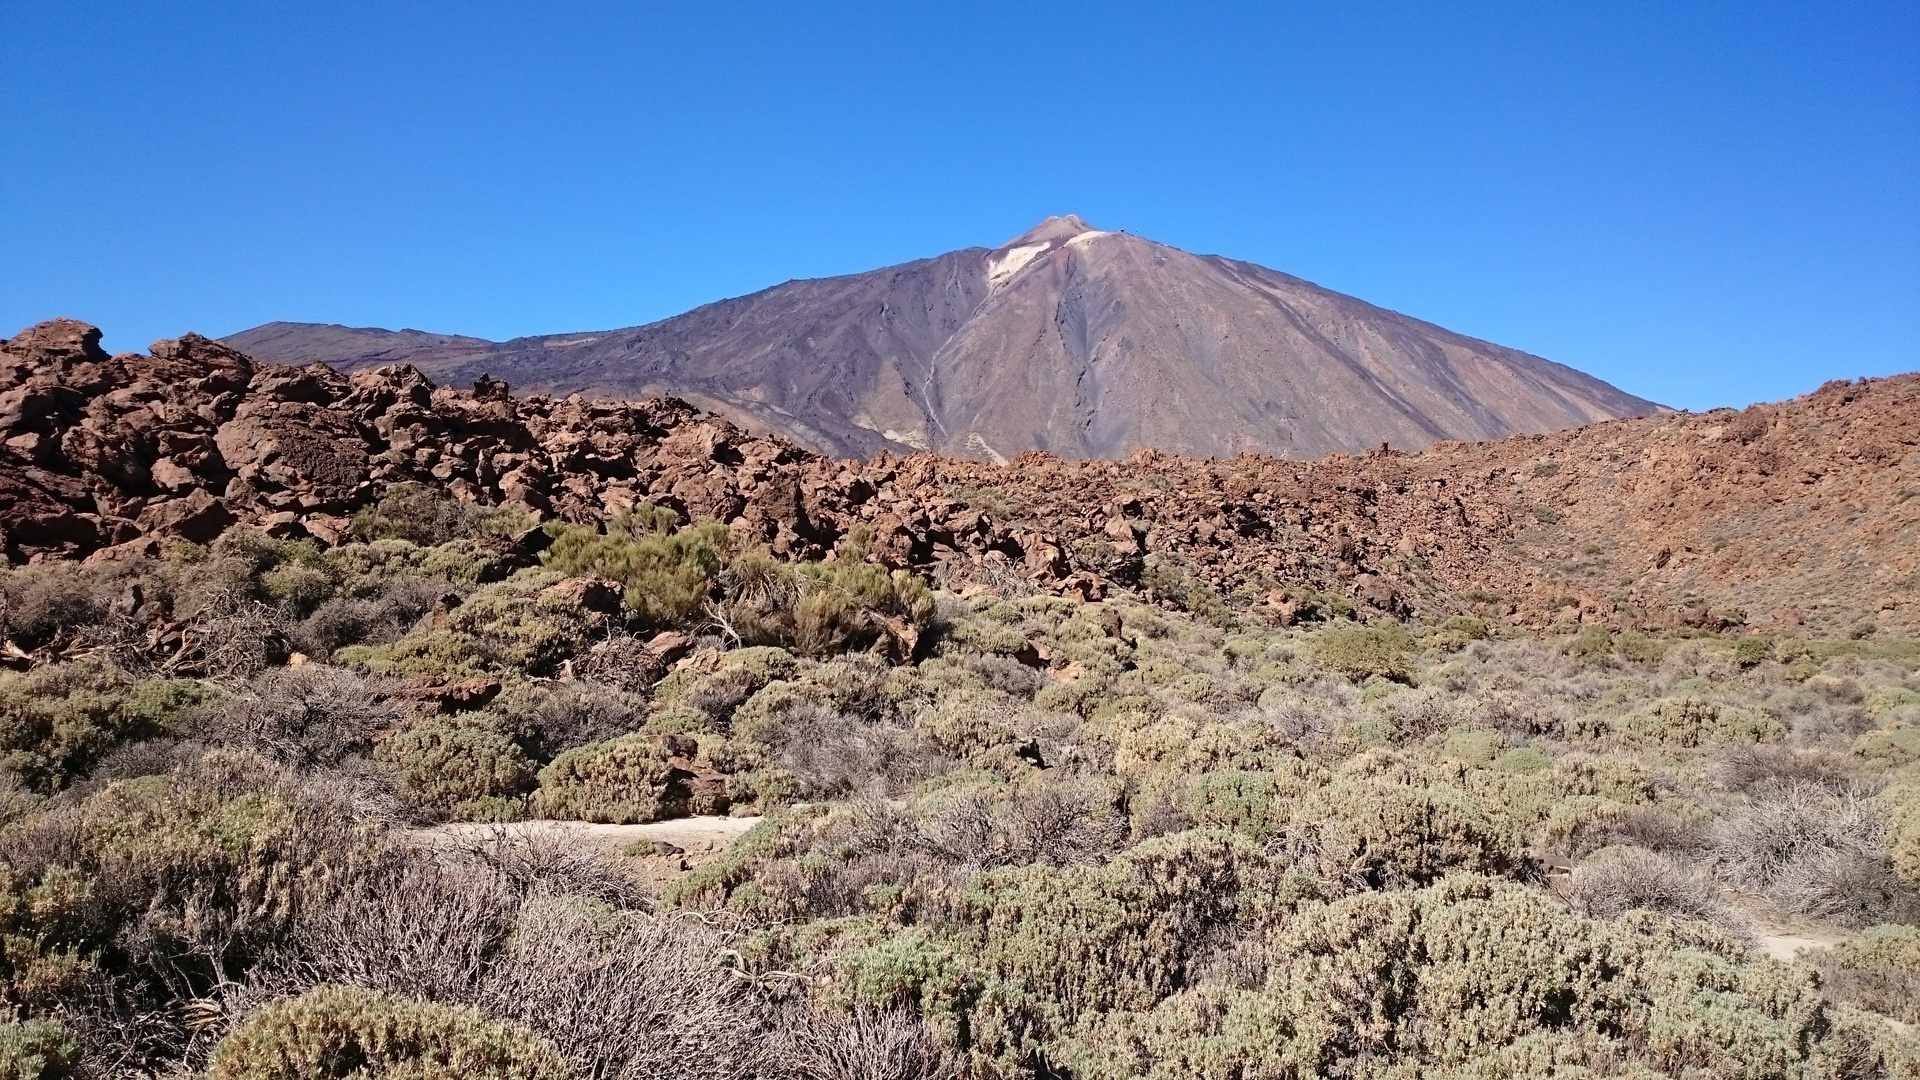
1785, 946
693, 833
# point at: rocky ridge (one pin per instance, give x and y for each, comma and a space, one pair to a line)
1779, 515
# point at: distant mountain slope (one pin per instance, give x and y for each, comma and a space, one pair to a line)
1067, 339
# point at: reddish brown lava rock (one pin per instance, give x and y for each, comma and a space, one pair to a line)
1799, 512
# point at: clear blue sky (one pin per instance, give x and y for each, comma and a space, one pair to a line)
1705, 204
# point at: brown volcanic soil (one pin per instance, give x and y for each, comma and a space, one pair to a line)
1805, 511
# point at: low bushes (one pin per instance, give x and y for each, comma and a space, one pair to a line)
56, 721
1474, 970
635, 778
37, 1050
668, 574
425, 516
463, 770
1689, 721
348, 1034
1363, 652
1381, 833
1616, 880
1878, 970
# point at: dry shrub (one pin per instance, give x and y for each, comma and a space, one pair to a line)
550, 718
311, 716
1760, 768
48, 604
864, 1043
415, 927
1416, 714
1814, 852
1005, 674
1054, 821
233, 636
381, 616
622, 661
835, 755
1669, 830
537, 862
627, 994
1849, 888
1616, 880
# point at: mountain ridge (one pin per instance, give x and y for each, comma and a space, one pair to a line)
1081, 342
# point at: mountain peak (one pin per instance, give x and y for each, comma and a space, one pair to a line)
1067, 339
1054, 228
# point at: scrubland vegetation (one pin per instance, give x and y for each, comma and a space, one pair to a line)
1002, 835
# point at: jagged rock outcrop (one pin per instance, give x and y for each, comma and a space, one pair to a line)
1801, 512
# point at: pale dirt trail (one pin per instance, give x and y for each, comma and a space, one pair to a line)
694, 834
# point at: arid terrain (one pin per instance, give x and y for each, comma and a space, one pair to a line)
1776, 516
353, 726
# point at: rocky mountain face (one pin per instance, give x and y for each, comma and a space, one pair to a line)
1778, 515
1070, 340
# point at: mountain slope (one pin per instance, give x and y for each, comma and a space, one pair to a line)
1083, 343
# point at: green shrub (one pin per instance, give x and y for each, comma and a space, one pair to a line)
523, 624
668, 575
55, 721
1458, 632
1385, 833
44, 936
1475, 977
631, 779
1640, 648
1591, 643
425, 515
526, 623
1890, 747
1750, 651
1690, 721
1902, 805
338, 1033
1254, 803
37, 1050
1035, 949
1363, 652
1878, 970
1524, 760
1475, 746
1163, 578
838, 604
459, 768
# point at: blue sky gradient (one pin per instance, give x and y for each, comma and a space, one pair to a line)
1705, 204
